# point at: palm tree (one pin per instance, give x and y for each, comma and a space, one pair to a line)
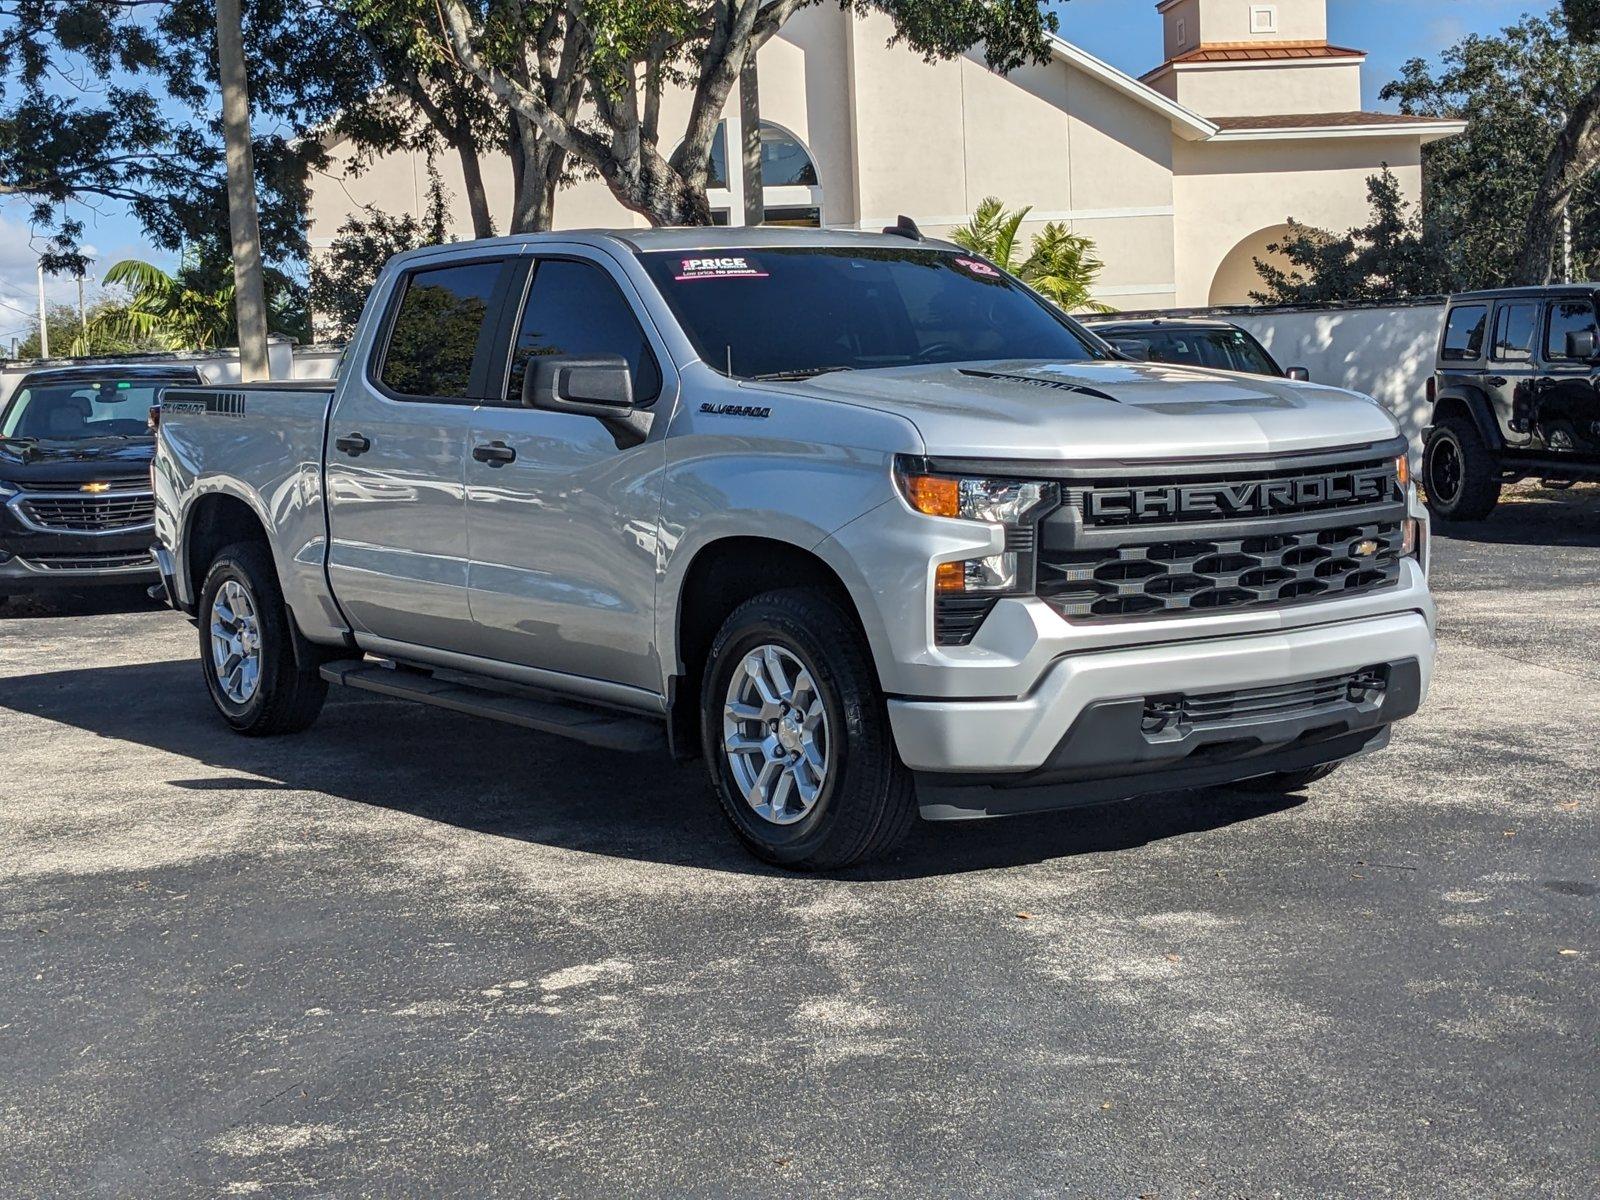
168, 309
1060, 266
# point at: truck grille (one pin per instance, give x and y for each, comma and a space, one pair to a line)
1184, 538
1138, 580
90, 514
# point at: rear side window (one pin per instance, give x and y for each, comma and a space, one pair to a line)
1514, 326
434, 340
1569, 316
575, 308
1463, 335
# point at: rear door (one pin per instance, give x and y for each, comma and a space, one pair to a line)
397, 448
562, 522
1513, 376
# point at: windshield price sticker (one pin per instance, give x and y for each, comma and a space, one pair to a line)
978, 268
721, 267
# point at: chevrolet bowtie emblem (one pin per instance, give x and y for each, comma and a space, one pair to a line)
1367, 548
96, 488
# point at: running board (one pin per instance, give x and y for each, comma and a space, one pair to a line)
610, 731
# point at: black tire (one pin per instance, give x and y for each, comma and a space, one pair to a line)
866, 801
1459, 474
287, 695
1287, 781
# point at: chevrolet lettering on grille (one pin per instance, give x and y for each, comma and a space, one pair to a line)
1256, 498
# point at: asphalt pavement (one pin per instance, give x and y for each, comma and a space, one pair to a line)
412, 953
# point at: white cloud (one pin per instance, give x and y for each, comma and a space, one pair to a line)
19, 280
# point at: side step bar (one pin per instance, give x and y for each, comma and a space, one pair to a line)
611, 731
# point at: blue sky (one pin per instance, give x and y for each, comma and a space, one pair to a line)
1126, 33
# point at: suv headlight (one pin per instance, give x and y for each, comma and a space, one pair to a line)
1014, 505
8, 489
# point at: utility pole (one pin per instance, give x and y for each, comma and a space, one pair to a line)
250, 302
83, 317
44, 319
755, 196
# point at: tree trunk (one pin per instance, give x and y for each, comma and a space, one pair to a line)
755, 195
250, 301
477, 196
1575, 157
537, 164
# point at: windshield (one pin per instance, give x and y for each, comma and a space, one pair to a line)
802, 311
80, 410
1222, 349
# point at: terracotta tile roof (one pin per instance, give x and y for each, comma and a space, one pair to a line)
1215, 52
1334, 120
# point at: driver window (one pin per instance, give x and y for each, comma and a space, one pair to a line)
575, 308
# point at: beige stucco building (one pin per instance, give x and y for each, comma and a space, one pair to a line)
1182, 178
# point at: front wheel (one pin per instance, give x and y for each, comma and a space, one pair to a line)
247, 648
1459, 472
796, 735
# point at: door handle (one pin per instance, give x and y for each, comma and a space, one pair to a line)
1497, 381
496, 454
354, 444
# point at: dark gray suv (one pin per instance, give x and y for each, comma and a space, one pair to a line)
1516, 395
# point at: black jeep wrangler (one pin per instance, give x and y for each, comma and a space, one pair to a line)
1516, 395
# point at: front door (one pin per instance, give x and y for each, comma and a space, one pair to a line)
561, 520
397, 452
1513, 376
1566, 418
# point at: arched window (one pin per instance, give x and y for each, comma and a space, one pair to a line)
790, 187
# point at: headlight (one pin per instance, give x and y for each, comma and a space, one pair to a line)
1014, 505
7, 489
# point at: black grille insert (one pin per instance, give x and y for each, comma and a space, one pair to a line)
1239, 572
1173, 716
90, 514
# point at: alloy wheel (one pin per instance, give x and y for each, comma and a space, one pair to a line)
235, 642
775, 734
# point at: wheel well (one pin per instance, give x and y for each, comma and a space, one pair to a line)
1474, 410
722, 577
218, 521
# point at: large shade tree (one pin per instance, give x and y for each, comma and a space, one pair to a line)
542, 59
1518, 90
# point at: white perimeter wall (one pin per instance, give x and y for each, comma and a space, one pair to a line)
1387, 353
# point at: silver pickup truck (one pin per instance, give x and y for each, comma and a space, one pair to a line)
857, 518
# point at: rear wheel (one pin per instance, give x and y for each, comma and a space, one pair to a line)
1459, 473
1287, 781
796, 735
247, 648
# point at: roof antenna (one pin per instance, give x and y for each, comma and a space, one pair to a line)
904, 227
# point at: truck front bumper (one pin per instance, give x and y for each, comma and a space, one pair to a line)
1113, 724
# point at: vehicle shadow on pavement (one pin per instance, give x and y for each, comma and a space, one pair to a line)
1553, 519
505, 782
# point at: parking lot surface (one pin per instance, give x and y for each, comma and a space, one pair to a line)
411, 953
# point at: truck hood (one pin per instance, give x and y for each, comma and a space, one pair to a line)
73, 460
1106, 410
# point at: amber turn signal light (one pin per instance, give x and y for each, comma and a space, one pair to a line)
1402, 470
933, 495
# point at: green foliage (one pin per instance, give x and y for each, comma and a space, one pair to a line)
1060, 265
69, 336
1516, 90
342, 277
1389, 258
191, 309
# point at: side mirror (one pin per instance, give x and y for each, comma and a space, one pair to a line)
597, 386
1581, 345
1298, 374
